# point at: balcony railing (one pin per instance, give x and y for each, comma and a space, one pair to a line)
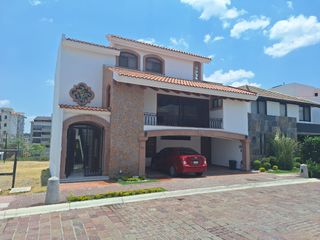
151, 119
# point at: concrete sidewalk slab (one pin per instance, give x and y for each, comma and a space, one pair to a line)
20, 190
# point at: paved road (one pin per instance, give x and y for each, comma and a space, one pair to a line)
285, 212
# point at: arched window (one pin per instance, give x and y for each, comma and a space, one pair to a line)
153, 64
128, 60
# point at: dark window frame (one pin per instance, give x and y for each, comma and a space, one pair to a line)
306, 117
286, 109
131, 54
265, 107
154, 58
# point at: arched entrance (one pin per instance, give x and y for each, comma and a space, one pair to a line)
84, 150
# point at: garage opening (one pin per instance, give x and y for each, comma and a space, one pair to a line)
218, 152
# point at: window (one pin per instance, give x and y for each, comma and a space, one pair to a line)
108, 96
197, 71
153, 64
316, 94
283, 109
262, 107
36, 134
182, 111
4, 125
5, 117
304, 113
128, 60
217, 103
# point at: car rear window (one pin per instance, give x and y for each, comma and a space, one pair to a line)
187, 151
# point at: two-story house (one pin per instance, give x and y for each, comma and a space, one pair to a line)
273, 112
115, 106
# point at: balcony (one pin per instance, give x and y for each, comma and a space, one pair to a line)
308, 128
152, 119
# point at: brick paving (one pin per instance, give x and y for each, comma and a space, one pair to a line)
216, 178
283, 212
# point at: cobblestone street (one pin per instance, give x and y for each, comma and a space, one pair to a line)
283, 212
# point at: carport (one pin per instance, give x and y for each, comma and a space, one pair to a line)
226, 142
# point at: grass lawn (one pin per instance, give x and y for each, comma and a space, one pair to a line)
294, 170
28, 174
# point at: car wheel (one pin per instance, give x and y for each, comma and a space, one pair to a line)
172, 171
199, 174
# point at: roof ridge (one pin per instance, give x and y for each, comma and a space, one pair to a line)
159, 46
89, 43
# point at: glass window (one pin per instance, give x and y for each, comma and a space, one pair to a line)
153, 65
283, 109
182, 111
196, 71
304, 113
128, 60
262, 107
217, 103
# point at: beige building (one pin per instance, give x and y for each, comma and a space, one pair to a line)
40, 132
11, 125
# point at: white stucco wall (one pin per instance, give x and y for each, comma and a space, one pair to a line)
273, 108
82, 66
225, 150
235, 116
194, 143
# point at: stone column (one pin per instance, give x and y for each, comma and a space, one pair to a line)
142, 154
246, 154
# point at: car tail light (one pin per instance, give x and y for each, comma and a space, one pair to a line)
184, 162
205, 162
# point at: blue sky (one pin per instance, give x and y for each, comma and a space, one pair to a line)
265, 42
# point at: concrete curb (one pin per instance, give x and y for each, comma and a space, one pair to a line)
20, 212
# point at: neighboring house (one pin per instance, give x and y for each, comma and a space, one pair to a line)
274, 111
41, 131
116, 106
11, 125
307, 92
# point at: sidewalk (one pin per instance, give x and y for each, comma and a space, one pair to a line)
170, 184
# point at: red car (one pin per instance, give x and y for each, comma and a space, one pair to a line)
179, 160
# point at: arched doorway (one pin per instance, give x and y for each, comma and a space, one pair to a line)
84, 150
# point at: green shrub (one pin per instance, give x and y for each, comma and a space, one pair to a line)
275, 168
132, 179
284, 148
296, 165
73, 198
313, 169
266, 165
310, 149
256, 164
262, 169
297, 159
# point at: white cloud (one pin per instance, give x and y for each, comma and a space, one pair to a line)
207, 38
244, 25
179, 43
45, 19
290, 5
211, 56
50, 82
218, 38
245, 82
293, 33
229, 77
4, 102
214, 8
35, 2
147, 40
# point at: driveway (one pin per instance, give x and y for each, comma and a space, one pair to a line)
282, 212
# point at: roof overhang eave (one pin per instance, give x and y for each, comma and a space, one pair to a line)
176, 87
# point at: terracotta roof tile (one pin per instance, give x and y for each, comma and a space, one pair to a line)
90, 43
190, 83
277, 96
87, 108
161, 47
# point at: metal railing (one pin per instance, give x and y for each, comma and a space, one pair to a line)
215, 123
150, 118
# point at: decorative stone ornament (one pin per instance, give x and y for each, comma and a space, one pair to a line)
81, 94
